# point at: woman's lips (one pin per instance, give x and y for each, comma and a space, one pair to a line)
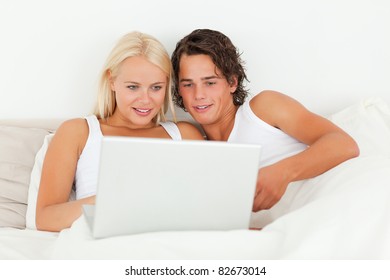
142, 111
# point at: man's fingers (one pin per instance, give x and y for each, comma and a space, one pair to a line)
263, 202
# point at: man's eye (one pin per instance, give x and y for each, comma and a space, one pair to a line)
187, 85
211, 83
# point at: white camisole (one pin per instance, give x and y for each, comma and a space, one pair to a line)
88, 164
250, 129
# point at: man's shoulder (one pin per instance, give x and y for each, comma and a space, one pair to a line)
264, 100
267, 104
266, 96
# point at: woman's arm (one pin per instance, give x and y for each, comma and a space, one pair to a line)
54, 212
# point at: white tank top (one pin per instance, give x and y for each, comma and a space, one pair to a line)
250, 129
88, 164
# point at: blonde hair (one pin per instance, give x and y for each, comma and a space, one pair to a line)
130, 45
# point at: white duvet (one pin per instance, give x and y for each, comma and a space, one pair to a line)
26, 244
342, 214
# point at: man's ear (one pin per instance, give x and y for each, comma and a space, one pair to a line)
233, 82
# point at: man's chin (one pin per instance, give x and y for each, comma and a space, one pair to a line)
203, 121
200, 118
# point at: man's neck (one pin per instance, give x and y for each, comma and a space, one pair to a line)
220, 131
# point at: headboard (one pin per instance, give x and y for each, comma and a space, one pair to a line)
326, 54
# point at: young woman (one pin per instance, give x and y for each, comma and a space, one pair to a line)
134, 95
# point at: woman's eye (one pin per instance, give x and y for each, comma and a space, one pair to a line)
186, 85
132, 87
157, 88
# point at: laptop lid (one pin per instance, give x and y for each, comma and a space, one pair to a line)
147, 185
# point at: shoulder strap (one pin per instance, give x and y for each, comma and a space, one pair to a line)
172, 129
94, 125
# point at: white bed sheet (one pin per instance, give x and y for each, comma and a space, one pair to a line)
342, 214
19, 244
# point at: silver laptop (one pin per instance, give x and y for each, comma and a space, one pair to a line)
148, 185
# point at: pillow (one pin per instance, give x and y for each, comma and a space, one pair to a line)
34, 183
368, 122
18, 147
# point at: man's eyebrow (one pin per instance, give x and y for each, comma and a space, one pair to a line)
185, 80
203, 79
210, 77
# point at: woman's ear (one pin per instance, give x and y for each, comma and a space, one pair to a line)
110, 79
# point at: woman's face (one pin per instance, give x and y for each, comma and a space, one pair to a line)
140, 88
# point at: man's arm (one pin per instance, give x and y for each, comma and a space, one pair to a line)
328, 145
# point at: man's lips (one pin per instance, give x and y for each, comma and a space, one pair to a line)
201, 108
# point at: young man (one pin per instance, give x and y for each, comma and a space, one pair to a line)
297, 144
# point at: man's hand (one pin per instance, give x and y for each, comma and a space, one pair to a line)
271, 185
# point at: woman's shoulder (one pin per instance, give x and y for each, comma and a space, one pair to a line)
72, 134
73, 128
189, 131
75, 124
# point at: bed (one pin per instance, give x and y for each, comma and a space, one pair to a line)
341, 214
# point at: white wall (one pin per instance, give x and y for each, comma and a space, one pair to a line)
326, 54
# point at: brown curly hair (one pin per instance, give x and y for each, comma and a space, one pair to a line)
223, 53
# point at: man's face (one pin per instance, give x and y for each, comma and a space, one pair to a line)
206, 93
